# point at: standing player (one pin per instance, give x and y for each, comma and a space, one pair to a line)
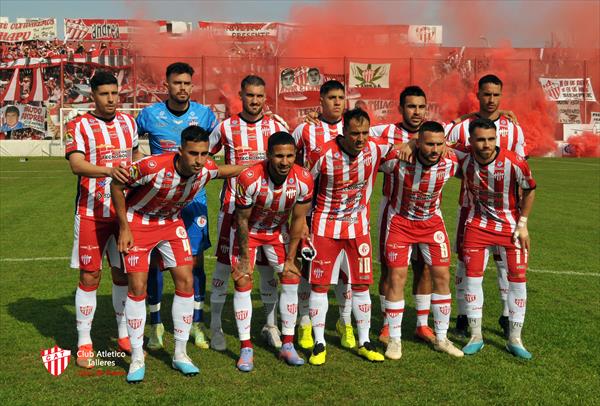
150, 218
497, 217
509, 137
413, 216
244, 138
266, 194
309, 138
164, 122
413, 108
99, 144
346, 168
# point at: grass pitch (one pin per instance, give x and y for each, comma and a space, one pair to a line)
561, 329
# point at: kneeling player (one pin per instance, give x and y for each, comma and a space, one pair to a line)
414, 217
150, 218
266, 194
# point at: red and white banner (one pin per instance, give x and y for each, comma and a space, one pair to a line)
372, 75
425, 34
28, 31
108, 57
12, 92
242, 31
558, 89
86, 29
56, 359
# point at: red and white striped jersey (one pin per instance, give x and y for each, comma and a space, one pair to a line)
244, 143
492, 189
344, 185
508, 135
392, 134
271, 204
104, 143
417, 189
157, 192
309, 137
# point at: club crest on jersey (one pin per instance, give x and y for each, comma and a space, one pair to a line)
291, 181
336, 155
151, 164
470, 298
520, 302
364, 249
503, 121
133, 260
134, 323
498, 175
85, 259
503, 131
445, 310
319, 273
439, 237
241, 315
201, 221
365, 307
187, 318
55, 359
292, 308
180, 232
264, 182
290, 193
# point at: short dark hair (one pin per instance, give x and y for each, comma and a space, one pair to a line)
355, 114
12, 109
286, 72
331, 85
431, 126
489, 79
102, 78
314, 70
280, 138
252, 80
178, 68
411, 91
484, 123
194, 133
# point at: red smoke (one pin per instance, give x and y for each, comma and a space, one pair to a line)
329, 39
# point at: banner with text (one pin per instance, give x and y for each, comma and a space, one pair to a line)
29, 31
558, 89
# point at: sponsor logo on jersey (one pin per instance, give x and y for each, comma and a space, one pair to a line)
134, 323
55, 359
86, 310
241, 315
364, 249
498, 175
439, 237
85, 259
180, 232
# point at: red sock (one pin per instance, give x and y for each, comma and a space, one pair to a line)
246, 344
288, 339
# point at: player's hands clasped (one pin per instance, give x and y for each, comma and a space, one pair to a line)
119, 174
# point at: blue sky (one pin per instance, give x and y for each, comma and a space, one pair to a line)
523, 22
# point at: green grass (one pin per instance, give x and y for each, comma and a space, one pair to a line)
37, 312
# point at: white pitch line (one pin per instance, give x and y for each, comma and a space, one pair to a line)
575, 273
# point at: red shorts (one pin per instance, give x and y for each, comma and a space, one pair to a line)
273, 247
93, 238
224, 226
353, 257
430, 235
476, 242
170, 240
383, 222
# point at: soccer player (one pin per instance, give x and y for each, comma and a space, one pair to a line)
309, 138
159, 187
266, 194
497, 217
244, 138
99, 144
413, 108
163, 122
509, 137
346, 168
413, 216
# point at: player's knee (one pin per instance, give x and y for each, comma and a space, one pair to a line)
319, 288
137, 288
397, 276
89, 278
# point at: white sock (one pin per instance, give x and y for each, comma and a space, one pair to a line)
441, 305
318, 305
242, 306
119, 296
288, 307
474, 299
503, 285
343, 294
220, 280
382, 307
135, 312
182, 312
393, 313
460, 284
268, 293
422, 306
361, 307
303, 295
517, 302
85, 307
137, 353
